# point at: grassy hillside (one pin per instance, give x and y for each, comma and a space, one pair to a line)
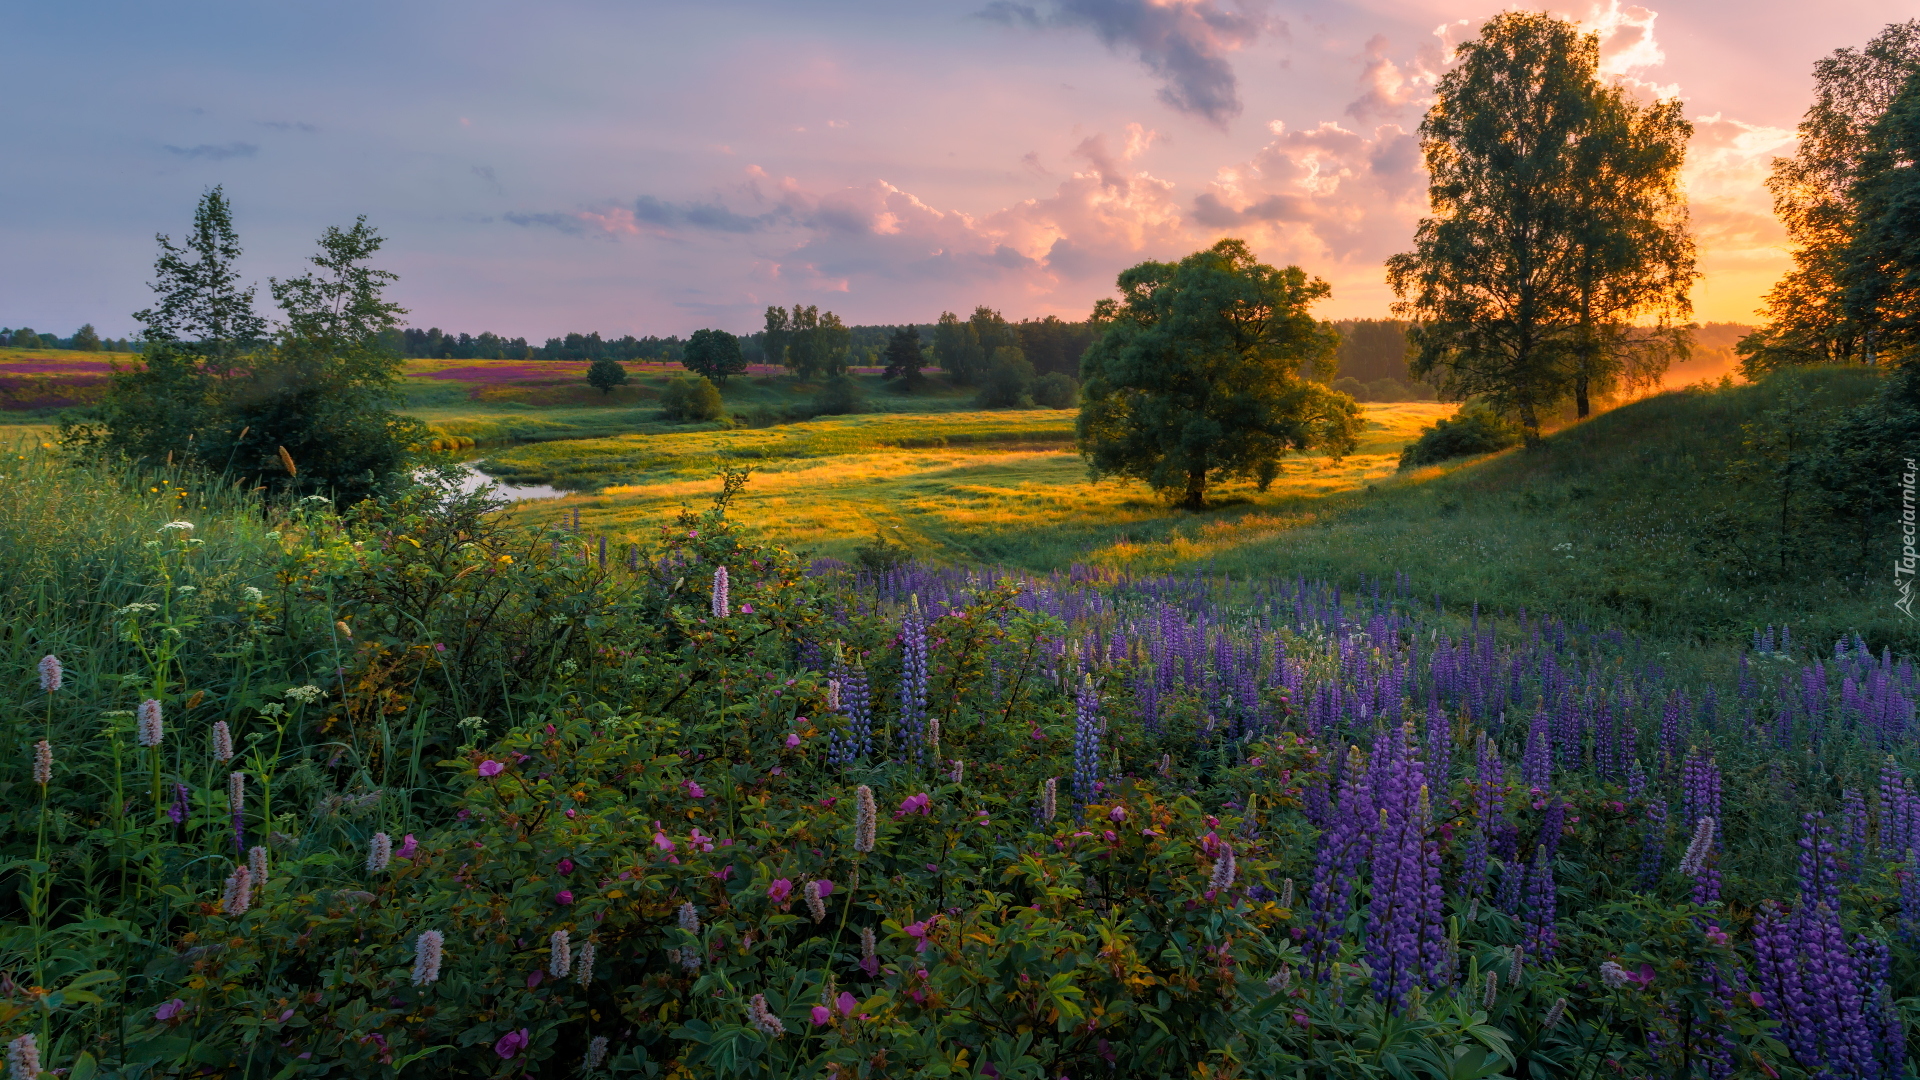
1628, 519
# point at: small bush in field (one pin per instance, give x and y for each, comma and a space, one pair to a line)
1056, 390
1472, 431
690, 397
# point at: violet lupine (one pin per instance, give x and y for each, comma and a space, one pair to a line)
1910, 900
1541, 936
1653, 845
853, 700
1853, 831
1699, 788
913, 677
1406, 947
1812, 984
1536, 765
1344, 847
1086, 742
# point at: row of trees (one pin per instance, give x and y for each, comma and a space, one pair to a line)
806, 341
85, 339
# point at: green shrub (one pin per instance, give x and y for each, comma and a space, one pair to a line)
1473, 431
1056, 390
841, 395
1009, 380
690, 398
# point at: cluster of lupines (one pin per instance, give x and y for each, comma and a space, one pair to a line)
1833, 1001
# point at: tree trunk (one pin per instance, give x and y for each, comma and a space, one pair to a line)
1196, 490
1529, 425
1580, 404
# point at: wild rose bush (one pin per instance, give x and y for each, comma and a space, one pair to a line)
516, 802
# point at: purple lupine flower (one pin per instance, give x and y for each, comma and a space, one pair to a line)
1653, 845
1541, 938
913, 676
1086, 741
1536, 765
722, 605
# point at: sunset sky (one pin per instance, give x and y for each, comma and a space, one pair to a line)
645, 167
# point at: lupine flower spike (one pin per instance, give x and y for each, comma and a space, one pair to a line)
720, 593
257, 865
1049, 798
222, 742
559, 955
51, 675
43, 763
150, 730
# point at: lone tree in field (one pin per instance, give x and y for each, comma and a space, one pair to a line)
1557, 223
1197, 375
714, 354
605, 373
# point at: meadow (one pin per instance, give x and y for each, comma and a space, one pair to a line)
1493, 769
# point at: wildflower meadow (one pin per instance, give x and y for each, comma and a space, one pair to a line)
416, 790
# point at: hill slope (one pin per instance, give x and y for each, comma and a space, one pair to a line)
1631, 518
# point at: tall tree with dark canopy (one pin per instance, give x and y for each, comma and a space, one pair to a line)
202, 308
86, 339
1809, 319
714, 354
903, 358
1198, 375
956, 348
1633, 253
606, 373
1536, 256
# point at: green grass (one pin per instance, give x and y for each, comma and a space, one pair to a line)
1627, 519
566, 408
988, 486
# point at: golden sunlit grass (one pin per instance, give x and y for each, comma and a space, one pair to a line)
1006, 486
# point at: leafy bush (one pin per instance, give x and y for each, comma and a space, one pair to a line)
690, 398
1471, 431
605, 373
1056, 390
841, 395
1009, 380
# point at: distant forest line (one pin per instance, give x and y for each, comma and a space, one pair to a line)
1371, 350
